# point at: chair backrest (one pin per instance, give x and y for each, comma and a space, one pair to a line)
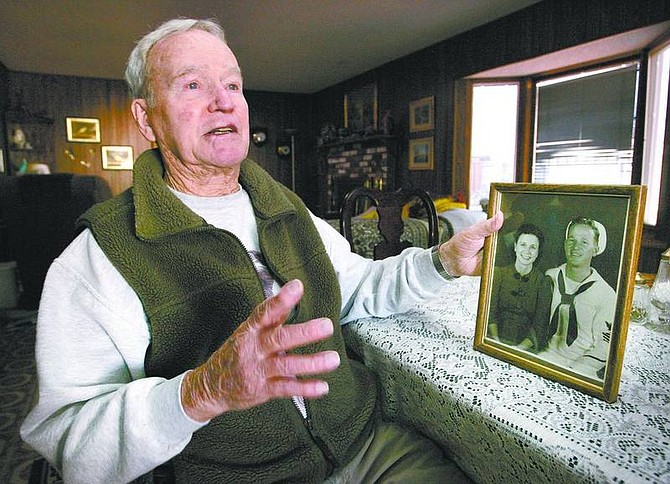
389, 205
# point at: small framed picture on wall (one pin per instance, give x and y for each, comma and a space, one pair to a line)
421, 154
117, 157
360, 109
421, 114
83, 130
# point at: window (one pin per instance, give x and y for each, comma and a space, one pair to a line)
575, 128
584, 126
493, 144
658, 76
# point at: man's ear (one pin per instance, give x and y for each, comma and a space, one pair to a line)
139, 110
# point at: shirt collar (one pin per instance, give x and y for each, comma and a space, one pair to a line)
158, 212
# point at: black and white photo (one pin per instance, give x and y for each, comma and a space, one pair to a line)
557, 281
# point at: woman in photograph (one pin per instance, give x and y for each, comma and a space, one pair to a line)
521, 295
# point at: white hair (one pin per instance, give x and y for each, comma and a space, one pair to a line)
137, 68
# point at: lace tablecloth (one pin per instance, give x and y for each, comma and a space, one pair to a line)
504, 424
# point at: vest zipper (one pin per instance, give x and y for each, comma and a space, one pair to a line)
331, 460
251, 261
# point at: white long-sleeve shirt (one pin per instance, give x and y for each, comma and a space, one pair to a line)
98, 417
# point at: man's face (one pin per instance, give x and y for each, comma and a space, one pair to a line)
580, 245
199, 117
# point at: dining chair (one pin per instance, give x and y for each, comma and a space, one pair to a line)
389, 206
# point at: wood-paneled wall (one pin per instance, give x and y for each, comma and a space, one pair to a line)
279, 112
58, 97
545, 27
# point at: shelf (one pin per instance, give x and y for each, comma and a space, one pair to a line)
38, 144
358, 139
21, 117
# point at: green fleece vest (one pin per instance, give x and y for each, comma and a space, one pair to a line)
197, 284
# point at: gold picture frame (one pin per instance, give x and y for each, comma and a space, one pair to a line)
421, 154
360, 109
421, 114
83, 130
567, 318
117, 158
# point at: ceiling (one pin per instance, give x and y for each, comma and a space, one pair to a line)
299, 46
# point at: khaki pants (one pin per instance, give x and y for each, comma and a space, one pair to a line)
394, 454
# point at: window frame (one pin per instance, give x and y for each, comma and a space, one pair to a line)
653, 235
640, 103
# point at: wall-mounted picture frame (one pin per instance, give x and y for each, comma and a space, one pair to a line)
117, 158
83, 130
421, 154
421, 114
360, 109
557, 281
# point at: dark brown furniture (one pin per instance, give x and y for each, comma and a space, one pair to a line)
389, 205
39, 214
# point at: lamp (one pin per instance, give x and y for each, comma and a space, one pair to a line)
660, 291
292, 132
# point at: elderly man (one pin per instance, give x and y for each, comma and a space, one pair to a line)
196, 318
583, 303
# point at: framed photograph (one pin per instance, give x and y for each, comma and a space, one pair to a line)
83, 130
557, 281
421, 154
421, 114
360, 109
117, 157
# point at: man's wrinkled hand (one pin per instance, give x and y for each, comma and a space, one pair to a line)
254, 365
461, 255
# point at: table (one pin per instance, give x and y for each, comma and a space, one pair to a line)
501, 423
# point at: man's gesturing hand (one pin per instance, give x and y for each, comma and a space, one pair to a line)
252, 366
